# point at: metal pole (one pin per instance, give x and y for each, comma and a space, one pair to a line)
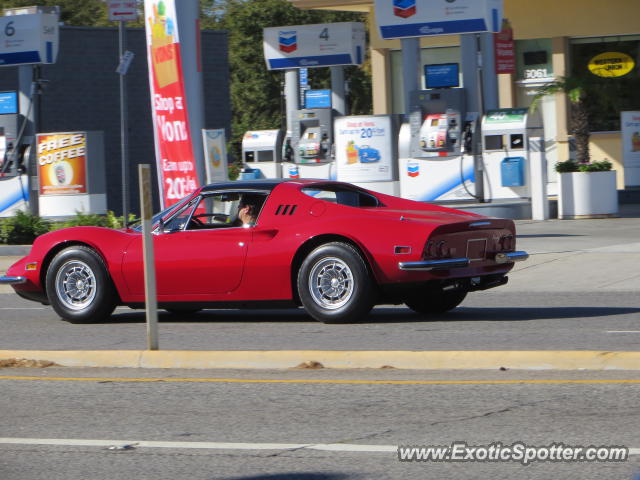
291, 97
27, 87
151, 300
338, 97
472, 76
410, 69
124, 130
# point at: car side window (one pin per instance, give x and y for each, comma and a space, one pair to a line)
342, 196
214, 211
228, 209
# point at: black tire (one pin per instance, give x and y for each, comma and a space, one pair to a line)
79, 287
334, 285
434, 301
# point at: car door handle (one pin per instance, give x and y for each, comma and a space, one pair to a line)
264, 235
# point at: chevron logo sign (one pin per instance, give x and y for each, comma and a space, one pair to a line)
288, 41
404, 8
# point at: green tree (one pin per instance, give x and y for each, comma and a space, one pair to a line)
575, 90
72, 12
256, 93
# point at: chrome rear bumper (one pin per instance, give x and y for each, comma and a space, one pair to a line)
12, 280
448, 263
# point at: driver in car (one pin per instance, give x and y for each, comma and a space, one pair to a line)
248, 209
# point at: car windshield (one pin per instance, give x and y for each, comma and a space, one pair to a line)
156, 218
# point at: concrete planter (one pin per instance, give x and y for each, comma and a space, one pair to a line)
587, 195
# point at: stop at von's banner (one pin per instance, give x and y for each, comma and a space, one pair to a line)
176, 164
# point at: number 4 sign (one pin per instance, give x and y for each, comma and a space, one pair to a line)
321, 45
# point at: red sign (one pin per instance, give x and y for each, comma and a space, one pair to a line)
122, 11
505, 49
174, 151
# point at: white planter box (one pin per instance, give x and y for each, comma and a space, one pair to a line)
587, 195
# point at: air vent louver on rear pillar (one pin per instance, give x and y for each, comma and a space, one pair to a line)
286, 209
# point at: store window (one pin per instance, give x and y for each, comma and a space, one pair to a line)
610, 69
428, 56
533, 60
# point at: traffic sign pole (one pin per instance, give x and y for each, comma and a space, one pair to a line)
151, 299
122, 11
124, 134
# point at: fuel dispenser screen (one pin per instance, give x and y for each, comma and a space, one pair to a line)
442, 75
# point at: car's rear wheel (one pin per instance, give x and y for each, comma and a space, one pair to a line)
334, 285
435, 300
79, 287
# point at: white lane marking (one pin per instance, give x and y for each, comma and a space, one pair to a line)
623, 331
332, 447
327, 447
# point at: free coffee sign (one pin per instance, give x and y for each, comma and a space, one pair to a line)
62, 163
174, 151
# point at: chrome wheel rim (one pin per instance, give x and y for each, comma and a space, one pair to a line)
331, 283
75, 285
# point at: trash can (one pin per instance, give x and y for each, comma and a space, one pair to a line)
512, 172
250, 174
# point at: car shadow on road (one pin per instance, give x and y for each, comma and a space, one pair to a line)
383, 315
499, 314
548, 235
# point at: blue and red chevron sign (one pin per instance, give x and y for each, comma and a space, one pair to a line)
319, 45
423, 18
404, 8
288, 41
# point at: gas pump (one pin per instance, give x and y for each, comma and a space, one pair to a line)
14, 153
262, 153
11, 155
312, 143
313, 135
507, 136
436, 121
440, 145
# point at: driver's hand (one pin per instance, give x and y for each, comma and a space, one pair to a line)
245, 215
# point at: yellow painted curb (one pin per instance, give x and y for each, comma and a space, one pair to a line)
422, 360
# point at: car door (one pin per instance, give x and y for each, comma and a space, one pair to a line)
194, 256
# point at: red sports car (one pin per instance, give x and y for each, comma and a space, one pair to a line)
334, 248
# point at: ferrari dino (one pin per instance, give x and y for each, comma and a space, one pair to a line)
331, 247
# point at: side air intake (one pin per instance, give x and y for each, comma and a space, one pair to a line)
286, 209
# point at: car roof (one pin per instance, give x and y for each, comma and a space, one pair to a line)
261, 184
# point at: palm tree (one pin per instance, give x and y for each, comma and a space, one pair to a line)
576, 90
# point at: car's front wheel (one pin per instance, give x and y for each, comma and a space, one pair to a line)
79, 287
435, 300
334, 285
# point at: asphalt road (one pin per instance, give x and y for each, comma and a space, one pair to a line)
258, 410
486, 321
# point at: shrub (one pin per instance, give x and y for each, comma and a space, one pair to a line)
94, 220
567, 166
602, 166
234, 170
573, 166
85, 219
22, 228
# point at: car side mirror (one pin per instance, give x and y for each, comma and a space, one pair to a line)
162, 228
